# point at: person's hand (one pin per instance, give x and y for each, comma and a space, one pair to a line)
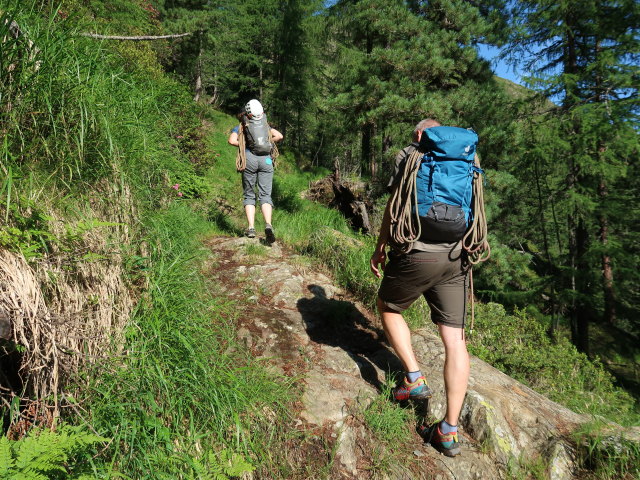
378, 262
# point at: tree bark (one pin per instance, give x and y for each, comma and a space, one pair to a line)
583, 311
609, 315
578, 237
368, 159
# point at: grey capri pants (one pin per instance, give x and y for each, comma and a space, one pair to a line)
259, 171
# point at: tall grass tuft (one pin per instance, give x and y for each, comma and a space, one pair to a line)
88, 140
604, 452
104, 138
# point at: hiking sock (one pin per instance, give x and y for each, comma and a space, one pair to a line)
413, 376
447, 428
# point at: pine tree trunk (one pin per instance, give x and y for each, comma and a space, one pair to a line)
607, 268
583, 310
573, 310
368, 159
578, 237
609, 315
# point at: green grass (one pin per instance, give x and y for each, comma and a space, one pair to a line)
388, 420
604, 454
185, 388
255, 250
100, 139
527, 468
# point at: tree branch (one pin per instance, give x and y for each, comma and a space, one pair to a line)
135, 39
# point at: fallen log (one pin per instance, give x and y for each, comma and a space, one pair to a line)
136, 38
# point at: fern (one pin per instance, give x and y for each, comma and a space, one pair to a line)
6, 459
235, 465
41, 453
44, 454
223, 465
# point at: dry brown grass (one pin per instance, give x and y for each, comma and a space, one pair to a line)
69, 309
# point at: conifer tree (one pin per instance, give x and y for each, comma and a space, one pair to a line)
585, 55
395, 62
231, 54
293, 96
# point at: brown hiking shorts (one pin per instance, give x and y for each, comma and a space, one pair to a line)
441, 277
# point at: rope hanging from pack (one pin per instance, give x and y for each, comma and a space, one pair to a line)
241, 156
404, 230
475, 241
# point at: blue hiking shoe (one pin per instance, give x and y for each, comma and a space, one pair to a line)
445, 443
418, 390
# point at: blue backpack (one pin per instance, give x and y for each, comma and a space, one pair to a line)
444, 183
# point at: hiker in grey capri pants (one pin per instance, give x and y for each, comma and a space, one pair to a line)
257, 172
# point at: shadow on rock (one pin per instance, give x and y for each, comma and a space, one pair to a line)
339, 323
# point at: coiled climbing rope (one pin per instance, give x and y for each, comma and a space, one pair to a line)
404, 230
241, 156
475, 241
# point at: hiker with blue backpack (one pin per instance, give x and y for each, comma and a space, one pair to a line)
256, 141
435, 229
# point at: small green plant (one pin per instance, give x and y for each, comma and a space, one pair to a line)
43, 454
255, 250
24, 226
519, 345
526, 468
189, 184
75, 233
606, 453
388, 420
348, 256
223, 465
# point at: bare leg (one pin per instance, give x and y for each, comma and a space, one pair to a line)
266, 212
456, 370
399, 336
250, 210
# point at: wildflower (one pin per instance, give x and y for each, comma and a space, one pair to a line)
179, 194
176, 186
179, 136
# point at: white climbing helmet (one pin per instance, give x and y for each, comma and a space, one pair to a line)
254, 108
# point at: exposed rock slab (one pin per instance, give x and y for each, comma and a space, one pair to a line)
308, 326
